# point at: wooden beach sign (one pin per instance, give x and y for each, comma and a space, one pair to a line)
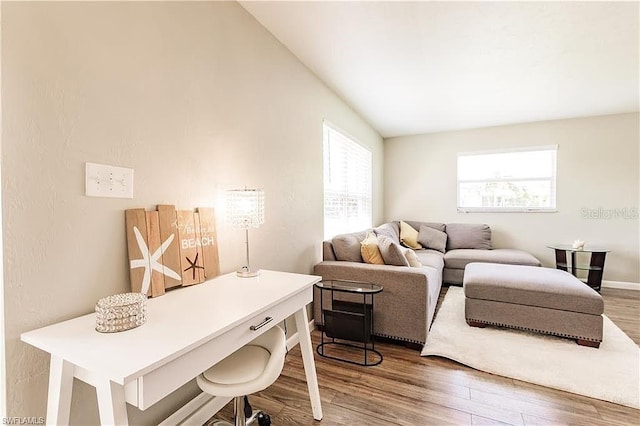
136, 223
168, 248
191, 263
171, 256
209, 242
154, 243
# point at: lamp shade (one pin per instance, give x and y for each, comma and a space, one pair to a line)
245, 208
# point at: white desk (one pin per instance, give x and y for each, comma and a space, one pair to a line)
187, 331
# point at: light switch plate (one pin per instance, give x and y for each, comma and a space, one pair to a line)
108, 181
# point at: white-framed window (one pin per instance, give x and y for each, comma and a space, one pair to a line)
347, 183
520, 180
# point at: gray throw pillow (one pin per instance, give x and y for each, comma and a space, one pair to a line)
347, 246
391, 230
432, 238
392, 253
468, 236
435, 225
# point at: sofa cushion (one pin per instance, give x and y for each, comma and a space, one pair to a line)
432, 258
452, 276
458, 259
391, 252
412, 258
432, 238
370, 251
391, 230
347, 246
409, 236
468, 236
524, 285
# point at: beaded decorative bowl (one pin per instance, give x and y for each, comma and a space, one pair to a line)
121, 312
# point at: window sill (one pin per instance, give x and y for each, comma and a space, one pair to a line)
504, 210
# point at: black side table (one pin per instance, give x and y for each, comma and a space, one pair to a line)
595, 267
350, 321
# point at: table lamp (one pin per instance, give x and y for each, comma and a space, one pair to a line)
245, 209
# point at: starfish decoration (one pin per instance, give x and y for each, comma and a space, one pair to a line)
150, 262
193, 265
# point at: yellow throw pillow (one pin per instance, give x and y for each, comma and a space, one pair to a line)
370, 251
409, 236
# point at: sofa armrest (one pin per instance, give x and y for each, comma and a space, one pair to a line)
400, 310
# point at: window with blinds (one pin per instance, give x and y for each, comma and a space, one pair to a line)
347, 184
521, 180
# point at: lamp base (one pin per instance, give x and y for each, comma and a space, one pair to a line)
246, 272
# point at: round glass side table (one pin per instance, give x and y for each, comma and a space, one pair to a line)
594, 268
348, 323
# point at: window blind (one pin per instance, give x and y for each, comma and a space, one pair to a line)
347, 184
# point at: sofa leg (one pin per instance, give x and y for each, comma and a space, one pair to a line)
476, 324
589, 343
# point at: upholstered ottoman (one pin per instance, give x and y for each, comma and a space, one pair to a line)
532, 298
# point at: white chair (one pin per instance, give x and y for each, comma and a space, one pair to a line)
250, 369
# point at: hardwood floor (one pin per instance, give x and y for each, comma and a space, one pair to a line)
407, 389
623, 308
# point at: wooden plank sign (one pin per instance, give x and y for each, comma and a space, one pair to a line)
154, 243
171, 255
136, 225
209, 242
190, 257
168, 248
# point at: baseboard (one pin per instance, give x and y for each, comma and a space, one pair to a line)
294, 339
624, 285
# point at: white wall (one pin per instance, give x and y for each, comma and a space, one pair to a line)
3, 376
597, 168
197, 98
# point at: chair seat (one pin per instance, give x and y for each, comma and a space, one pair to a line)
250, 369
246, 364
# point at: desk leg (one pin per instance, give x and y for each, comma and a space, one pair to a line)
111, 403
59, 396
302, 325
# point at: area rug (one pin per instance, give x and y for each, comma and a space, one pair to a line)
610, 373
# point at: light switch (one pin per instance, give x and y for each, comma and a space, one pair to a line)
108, 181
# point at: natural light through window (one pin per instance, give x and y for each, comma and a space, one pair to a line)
347, 184
515, 180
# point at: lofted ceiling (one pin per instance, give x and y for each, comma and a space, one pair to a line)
422, 67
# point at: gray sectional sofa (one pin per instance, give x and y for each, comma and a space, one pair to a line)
405, 309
